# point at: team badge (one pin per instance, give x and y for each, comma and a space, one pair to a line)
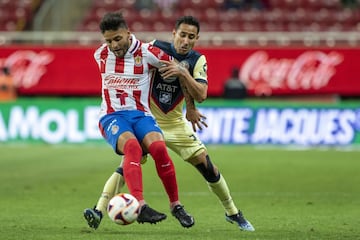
205, 70
114, 129
165, 98
138, 61
185, 64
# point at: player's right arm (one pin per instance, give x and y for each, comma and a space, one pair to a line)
196, 85
197, 89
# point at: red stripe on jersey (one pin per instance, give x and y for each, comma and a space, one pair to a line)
138, 65
119, 65
103, 57
159, 53
109, 108
137, 96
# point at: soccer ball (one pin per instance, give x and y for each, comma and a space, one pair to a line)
123, 209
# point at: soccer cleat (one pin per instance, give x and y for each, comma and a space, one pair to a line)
93, 217
185, 219
149, 215
239, 219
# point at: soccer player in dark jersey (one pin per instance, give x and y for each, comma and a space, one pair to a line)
168, 96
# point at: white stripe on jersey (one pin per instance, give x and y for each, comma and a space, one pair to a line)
126, 81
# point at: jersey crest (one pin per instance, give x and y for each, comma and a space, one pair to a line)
138, 61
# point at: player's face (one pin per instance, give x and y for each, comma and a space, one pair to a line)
184, 38
118, 41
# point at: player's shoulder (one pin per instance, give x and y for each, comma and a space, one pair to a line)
103, 48
195, 58
150, 48
195, 54
165, 46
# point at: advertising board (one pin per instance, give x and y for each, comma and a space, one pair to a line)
74, 120
72, 71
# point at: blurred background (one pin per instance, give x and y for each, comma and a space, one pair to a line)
281, 72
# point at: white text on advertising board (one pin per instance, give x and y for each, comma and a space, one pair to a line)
279, 126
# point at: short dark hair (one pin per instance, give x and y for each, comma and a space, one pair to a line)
112, 21
190, 20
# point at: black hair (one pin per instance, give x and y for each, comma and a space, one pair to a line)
190, 20
112, 21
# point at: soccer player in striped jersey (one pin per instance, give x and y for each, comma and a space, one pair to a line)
168, 96
127, 66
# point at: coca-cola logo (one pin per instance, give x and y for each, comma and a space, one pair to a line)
27, 67
310, 70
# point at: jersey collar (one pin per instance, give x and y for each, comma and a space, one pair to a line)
135, 44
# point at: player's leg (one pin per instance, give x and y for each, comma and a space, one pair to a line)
120, 137
121, 181
133, 177
219, 187
147, 214
166, 172
109, 190
182, 140
154, 143
120, 171
93, 216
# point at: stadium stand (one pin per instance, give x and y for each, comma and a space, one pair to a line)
16, 15
215, 15
276, 15
273, 22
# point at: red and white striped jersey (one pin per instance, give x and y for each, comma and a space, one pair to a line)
126, 81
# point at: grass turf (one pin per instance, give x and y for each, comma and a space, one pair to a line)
310, 194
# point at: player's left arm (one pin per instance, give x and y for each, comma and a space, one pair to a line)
155, 55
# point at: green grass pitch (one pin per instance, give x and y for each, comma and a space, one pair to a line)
307, 194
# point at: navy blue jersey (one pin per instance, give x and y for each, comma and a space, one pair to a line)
167, 94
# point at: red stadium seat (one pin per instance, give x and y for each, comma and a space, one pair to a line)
282, 15
170, 16
126, 3
108, 4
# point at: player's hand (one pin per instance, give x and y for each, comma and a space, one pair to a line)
198, 121
170, 69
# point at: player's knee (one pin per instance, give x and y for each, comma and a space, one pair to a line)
210, 173
158, 149
133, 147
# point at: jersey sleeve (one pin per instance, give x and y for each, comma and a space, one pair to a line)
156, 54
97, 56
200, 70
97, 53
